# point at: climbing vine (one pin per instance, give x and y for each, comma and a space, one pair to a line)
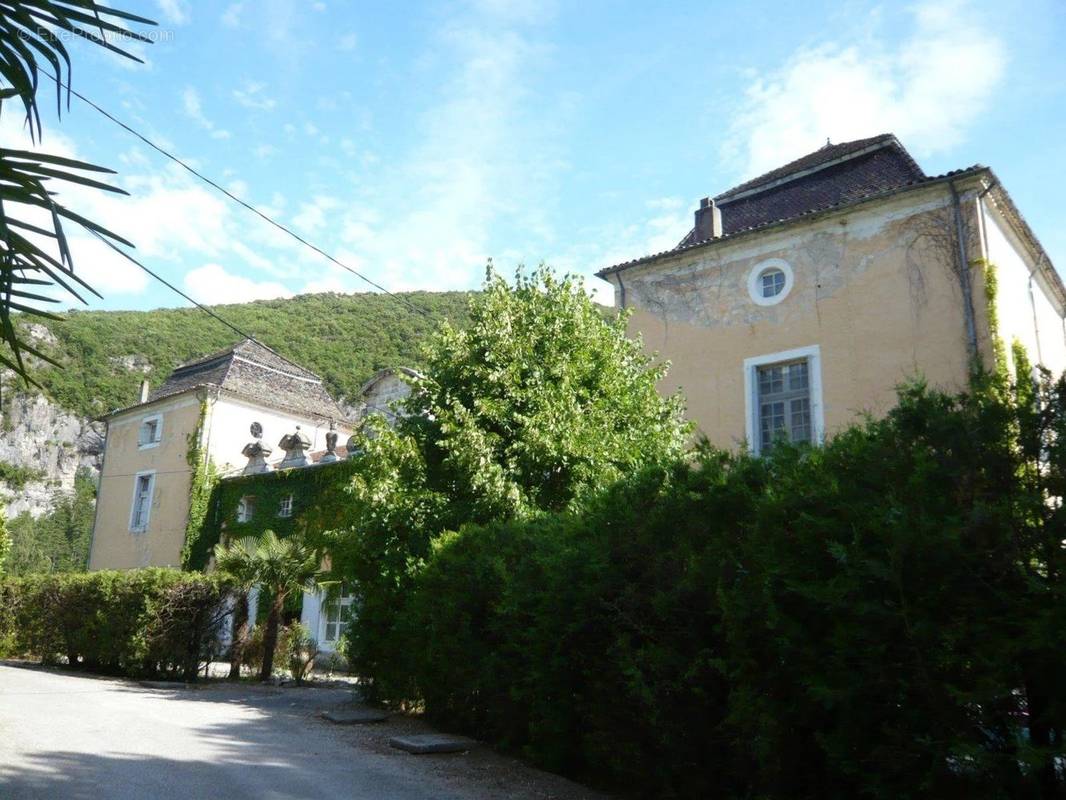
999, 349
203, 480
317, 492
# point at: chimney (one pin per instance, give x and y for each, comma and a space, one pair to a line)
144, 391
708, 220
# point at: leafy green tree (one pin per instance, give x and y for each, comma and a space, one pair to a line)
59, 540
34, 251
536, 406
281, 567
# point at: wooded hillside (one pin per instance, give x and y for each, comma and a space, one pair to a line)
343, 337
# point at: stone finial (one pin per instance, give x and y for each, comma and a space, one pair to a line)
295, 446
257, 454
352, 445
331, 444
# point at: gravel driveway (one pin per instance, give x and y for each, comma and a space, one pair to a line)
75, 736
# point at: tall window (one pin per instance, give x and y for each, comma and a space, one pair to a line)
151, 431
246, 508
335, 617
142, 501
285, 506
784, 403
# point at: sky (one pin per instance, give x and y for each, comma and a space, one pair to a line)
416, 141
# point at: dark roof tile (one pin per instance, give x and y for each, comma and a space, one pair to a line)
254, 371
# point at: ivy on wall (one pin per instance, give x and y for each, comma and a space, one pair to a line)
202, 485
999, 349
317, 499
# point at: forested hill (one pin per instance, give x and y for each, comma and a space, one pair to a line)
345, 338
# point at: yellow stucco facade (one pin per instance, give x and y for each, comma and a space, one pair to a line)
118, 543
218, 423
873, 298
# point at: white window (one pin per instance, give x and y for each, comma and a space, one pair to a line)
773, 282
246, 508
141, 508
335, 615
784, 398
285, 506
151, 432
770, 281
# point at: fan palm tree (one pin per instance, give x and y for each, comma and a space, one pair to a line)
282, 566
34, 253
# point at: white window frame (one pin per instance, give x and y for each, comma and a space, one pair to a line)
813, 356
285, 506
344, 601
158, 420
246, 508
150, 474
755, 281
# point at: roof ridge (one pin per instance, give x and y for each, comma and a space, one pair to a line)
805, 163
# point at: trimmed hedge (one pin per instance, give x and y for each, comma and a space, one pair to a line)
144, 623
882, 617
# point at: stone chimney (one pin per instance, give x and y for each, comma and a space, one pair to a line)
144, 391
708, 220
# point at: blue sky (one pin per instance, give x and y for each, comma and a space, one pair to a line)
414, 141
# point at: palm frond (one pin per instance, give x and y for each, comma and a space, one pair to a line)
32, 34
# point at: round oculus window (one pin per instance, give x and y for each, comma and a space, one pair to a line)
770, 281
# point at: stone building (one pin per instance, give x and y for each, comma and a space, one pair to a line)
802, 299
155, 451
282, 492
244, 413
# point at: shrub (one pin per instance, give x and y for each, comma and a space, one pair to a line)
138, 622
880, 617
299, 649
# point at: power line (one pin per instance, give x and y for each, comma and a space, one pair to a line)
170, 286
232, 196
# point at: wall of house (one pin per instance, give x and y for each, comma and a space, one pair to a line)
1025, 305
874, 290
231, 419
114, 545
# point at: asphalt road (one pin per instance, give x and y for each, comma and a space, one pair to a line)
74, 736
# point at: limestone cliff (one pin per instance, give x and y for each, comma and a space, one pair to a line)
44, 445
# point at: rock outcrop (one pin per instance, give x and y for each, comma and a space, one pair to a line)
50, 442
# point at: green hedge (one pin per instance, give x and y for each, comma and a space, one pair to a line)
145, 622
881, 617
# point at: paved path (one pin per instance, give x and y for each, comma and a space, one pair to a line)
74, 736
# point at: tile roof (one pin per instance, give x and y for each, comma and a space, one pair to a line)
853, 198
253, 371
833, 175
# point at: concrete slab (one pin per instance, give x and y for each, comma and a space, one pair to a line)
354, 716
165, 685
432, 743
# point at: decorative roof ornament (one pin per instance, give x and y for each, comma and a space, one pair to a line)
256, 430
331, 445
295, 446
257, 454
353, 446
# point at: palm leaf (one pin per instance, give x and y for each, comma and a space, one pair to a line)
31, 43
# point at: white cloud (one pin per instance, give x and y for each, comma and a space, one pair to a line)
211, 284
311, 217
348, 42
264, 150
231, 17
194, 110
252, 96
174, 11
927, 89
